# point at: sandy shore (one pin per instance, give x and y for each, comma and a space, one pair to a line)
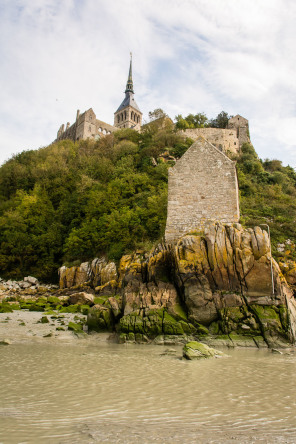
23, 325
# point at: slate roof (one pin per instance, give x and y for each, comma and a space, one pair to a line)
128, 101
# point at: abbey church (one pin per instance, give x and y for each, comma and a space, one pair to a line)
87, 126
128, 115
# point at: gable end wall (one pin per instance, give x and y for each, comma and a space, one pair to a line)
202, 187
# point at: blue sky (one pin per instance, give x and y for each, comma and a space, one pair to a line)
189, 56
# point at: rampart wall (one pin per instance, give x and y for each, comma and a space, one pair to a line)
225, 140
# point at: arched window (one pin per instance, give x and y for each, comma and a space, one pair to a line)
104, 131
132, 115
100, 130
118, 119
124, 115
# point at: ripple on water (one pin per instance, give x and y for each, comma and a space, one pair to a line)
58, 392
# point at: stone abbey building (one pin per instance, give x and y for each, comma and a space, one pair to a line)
87, 126
128, 115
202, 186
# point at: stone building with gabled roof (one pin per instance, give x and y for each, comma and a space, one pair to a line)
202, 187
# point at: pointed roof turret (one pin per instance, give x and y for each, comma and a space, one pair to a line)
129, 84
129, 92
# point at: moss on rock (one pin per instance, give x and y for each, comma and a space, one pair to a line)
6, 307
77, 328
100, 318
197, 350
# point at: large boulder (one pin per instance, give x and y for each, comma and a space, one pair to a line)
95, 273
81, 298
100, 319
197, 350
31, 280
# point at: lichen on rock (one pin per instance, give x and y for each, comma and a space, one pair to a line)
211, 284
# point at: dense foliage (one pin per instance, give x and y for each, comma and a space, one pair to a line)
74, 201
200, 120
268, 196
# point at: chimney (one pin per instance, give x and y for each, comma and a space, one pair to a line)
78, 114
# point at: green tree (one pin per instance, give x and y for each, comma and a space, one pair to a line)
191, 121
158, 113
221, 121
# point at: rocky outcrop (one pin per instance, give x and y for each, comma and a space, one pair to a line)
220, 284
97, 273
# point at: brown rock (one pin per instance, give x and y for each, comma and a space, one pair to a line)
108, 273
81, 298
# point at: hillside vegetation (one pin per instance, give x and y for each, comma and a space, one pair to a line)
76, 201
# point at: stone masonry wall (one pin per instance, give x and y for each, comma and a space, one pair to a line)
241, 126
202, 187
86, 126
225, 140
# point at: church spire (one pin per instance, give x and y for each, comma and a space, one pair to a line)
129, 84
128, 114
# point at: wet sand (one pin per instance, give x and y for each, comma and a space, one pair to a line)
25, 326
66, 388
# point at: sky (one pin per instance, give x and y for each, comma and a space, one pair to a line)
189, 56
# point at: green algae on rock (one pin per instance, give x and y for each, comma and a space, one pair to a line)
197, 350
211, 284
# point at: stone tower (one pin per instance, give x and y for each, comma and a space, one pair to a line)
241, 126
128, 115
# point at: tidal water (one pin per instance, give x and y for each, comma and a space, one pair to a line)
87, 392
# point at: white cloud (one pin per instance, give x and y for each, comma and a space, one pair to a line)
189, 56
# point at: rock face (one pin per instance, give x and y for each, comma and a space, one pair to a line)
217, 284
98, 272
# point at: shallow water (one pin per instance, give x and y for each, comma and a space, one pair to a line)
102, 392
